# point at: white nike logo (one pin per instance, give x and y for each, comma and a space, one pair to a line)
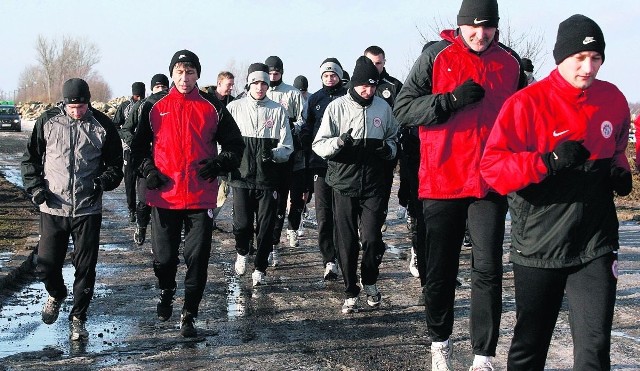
588, 40
557, 134
476, 21
164, 113
555, 157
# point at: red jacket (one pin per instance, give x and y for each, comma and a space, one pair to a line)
636, 125
451, 143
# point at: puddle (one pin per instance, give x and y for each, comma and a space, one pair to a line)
22, 329
5, 257
236, 301
12, 174
625, 336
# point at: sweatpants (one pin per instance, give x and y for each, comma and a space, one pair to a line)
445, 224
52, 249
263, 204
130, 176
300, 184
166, 240
143, 211
591, 295
324, 215
370, 211
286, 174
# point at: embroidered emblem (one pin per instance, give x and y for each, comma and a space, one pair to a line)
607, 129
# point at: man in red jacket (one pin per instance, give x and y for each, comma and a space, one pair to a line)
453, 94
175, 150
558, 149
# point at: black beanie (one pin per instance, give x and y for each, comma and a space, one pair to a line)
301, 83
275, 64
365, 72
258, 72
345, 76
527, 65
478, 13
331, 65
138, 88
182, 56
578, 34
159, 79
76, 91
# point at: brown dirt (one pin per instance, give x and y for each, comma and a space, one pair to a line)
18, 217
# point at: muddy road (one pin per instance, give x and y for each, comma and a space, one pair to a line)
292, 323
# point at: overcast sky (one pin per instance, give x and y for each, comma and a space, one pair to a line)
137, 38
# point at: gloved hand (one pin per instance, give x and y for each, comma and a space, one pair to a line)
210, 169
345, 139
155, 180
384, 151
39, 196
566, 155
621, 181
467, 93
267, 155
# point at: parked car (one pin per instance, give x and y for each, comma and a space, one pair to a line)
9, 117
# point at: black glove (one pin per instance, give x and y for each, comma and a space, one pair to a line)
210, 169
155, 180
467, 93
39, 196
345, 139
567, 155
267, 155
621, 181
384, 151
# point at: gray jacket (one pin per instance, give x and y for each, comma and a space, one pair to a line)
66, 157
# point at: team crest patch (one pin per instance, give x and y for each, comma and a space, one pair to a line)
318, 107
377, 122
269, 123
386, 94
284, 104
607, 129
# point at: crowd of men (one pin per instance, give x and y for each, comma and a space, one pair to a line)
475, 134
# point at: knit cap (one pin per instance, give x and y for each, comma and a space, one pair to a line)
138, 88
365, 72
478, 13
76, 91
275, 64
258, 72
331, 65
301, 83
159, 79
578, 34
183, 56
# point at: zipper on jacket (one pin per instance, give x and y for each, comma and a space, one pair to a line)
72, 161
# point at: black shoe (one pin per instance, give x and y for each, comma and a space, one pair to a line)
187, 325
165, 306
132, 216
139, 235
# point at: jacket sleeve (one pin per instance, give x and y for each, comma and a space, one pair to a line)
391, 135
297, 120
307, 127
32, 167
416, 104
510, 160
111, 154
622, 141
636, 134
118, 118
325, 143
230, 139
130, 124
141, 158
285, 144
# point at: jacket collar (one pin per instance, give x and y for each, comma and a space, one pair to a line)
565, 89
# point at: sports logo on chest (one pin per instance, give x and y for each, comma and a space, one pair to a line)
268, 123
284, 104
606, 129
377, 122
386, 93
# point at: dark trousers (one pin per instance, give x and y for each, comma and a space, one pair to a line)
370, 211
263, 204
324, 216
143, 211
166, 239
591, 295
52, 249
129, 181
286, 173
300, 184
445, 225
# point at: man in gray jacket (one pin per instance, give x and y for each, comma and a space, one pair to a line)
357, 132
73, 155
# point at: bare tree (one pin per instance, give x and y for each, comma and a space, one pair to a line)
100, 90
57, 62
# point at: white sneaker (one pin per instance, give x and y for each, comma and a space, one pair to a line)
486, 366
241, 264
441, 357
373, 295
350, 305
330, 271
258, 278
413, 264
78, 330
292, 237
301, 231
274, 257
